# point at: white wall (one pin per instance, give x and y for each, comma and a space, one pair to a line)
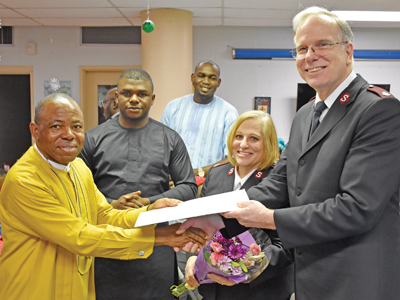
59, 55
242, 80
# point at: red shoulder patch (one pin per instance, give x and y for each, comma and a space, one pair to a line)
221, 164
379, 91
259, 174
231, 171
344, 98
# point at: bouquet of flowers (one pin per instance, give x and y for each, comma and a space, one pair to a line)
241, 258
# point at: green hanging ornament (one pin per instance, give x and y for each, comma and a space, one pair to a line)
148, 26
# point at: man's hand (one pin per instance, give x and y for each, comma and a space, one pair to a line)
171, 183
164, 202
168, 236
209, 224
252, 214
131, 200
189, 272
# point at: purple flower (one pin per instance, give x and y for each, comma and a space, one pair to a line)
238, 240
237, 271
237, 251
221, 239
224, 264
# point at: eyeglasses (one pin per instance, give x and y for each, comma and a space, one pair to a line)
102, 103
318, 48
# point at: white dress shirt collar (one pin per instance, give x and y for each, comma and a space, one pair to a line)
332, 97
53, 163
239, 182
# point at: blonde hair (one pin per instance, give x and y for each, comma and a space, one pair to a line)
271, 148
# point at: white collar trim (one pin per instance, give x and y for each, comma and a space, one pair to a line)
53, 163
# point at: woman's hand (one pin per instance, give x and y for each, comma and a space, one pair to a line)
189, 272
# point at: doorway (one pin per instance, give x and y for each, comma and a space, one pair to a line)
16, 102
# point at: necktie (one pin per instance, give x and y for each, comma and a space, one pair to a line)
239, 185
318, 109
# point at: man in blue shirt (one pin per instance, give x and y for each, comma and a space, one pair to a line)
202, 119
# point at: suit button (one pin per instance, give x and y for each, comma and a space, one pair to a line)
298, 192
298, 251
302, 162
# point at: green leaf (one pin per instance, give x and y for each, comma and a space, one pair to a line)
244, 268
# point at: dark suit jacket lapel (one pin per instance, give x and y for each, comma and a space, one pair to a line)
252, 181
334, 115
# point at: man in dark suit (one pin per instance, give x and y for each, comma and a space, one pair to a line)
335, 192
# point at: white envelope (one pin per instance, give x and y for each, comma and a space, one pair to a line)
193, 208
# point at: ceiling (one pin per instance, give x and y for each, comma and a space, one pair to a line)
205, 12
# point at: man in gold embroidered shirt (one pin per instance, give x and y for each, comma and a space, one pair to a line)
55, 220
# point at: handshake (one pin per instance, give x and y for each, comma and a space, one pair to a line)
191, 235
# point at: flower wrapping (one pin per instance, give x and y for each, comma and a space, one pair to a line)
241, 258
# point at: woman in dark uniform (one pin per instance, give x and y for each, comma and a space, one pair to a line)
252, 151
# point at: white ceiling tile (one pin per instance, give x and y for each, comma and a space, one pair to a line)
9, 13
135, 21
257, 22
258, 13
78, 22
384, 5
54, 3
207, 12
182, 4
207, 22
142, 4
70, 12
18, 22
328, 4
262, 4
131, 12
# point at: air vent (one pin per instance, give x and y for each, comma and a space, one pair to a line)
111, 35
6, 35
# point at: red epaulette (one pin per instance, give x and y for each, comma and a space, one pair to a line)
379, 91
312, 98
221, 164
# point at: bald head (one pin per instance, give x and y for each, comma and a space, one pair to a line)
57, 98
209, 62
